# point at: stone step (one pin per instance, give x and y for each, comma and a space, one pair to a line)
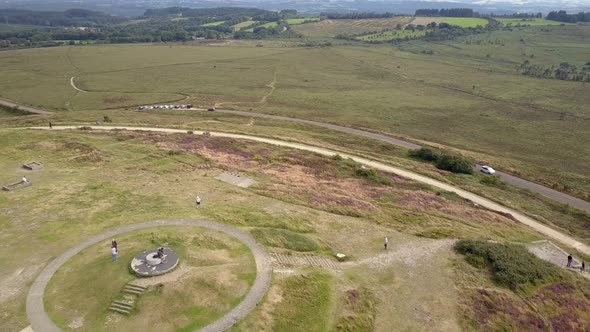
136, 287
132, 291
122, 307
121, 311
123, 304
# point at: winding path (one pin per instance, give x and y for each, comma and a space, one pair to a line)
40, 321
10, 103
541, 228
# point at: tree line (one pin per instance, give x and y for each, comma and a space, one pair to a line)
68, 18
563, 16
564, 72
451, 12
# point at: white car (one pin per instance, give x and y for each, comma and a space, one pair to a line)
488, 170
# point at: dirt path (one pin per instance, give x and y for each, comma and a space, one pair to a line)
40, 321
73, 84
9, 103
541, 228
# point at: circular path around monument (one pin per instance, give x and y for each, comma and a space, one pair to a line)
40, 321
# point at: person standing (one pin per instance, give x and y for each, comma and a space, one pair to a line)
385, 242
114, 252
198, 201
569, 260
583, 268
50, 125
114, 245
24, 179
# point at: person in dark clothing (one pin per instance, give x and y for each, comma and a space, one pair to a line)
583, 268
569, 260
50, 125
114, 244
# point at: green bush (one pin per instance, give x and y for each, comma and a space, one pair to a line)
455, 164
512, 266
443, 160
425, 154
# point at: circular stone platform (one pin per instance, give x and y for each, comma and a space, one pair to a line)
147, 264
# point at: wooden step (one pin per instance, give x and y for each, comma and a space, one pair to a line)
136, 287
122, 305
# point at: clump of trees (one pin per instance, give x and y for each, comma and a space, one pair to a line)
564, 72
563, 16
443, 160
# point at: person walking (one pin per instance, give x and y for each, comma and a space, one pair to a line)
50, 125
114, 244
569, 260
583, 268
385, 242
114, 252
198, 201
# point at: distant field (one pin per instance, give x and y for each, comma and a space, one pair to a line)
531, 21
391, 35
269, 25
296, 21
244, 24
464, 22
213, 24
332, 28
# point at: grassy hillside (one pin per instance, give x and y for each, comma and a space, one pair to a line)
332, 28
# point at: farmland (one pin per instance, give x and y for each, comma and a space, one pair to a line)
244, 24
464, 22
331, 28
296, 21
213, 24
392, 35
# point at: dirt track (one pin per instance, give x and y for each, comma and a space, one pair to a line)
541, 228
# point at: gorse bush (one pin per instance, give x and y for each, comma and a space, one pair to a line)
512, 265
442, 160
455, 164
425, 154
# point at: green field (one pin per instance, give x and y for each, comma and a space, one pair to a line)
391, 35
244, 24
296, 21
466, 22
213, 24
17, 27
528, 21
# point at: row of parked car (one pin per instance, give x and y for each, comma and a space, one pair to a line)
166, 107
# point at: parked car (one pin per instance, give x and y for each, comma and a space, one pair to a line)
211, 109
488, 170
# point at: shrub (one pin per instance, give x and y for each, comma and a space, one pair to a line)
337, 157
190, 132
455, 164
107, 119
425, 154
512, 266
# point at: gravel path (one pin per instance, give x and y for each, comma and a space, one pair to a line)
541, 228
40, 321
